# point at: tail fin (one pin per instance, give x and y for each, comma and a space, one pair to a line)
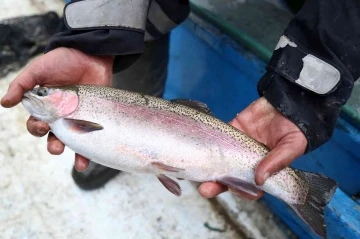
320, 193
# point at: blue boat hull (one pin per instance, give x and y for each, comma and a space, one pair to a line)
206, 65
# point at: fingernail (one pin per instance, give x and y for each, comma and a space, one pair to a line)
80, 171
77, 166
82, 165
41, 131
57, 147
3, 101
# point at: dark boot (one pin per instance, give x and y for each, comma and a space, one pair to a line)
146, 74
94, 177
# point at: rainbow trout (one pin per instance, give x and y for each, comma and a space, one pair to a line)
171, 139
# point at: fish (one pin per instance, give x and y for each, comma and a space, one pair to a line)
170, 139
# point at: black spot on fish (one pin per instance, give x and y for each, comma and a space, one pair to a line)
146, 99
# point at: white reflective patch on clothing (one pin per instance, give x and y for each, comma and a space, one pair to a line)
107, 13
317, 75
283, 42
159, 19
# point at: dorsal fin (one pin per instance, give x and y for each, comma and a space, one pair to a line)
197, 105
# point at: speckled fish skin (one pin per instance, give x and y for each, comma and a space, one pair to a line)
141, 131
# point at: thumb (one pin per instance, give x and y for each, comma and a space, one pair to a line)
27, 80
280, 157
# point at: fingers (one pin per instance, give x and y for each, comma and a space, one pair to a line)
210, 190
81, 163
76, 67
54, 145
39, 129
279, 158
27, 80
36, 127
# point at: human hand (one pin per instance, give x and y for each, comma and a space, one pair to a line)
261, 121
60, 67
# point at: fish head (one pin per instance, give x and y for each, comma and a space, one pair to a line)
50, 103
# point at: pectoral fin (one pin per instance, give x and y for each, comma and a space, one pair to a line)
82, 126
170, 184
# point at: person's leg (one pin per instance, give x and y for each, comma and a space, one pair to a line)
146, 75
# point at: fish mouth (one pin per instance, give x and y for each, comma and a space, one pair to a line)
25, 99
31, 103
26, 96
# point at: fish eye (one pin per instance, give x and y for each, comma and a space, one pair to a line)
42, 92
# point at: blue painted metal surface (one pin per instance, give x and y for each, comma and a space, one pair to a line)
210, 67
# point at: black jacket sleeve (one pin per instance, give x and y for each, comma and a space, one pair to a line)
119, 42
328, 30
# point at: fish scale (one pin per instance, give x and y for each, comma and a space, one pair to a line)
138, 133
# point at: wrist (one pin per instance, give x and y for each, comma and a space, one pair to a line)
314, 115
